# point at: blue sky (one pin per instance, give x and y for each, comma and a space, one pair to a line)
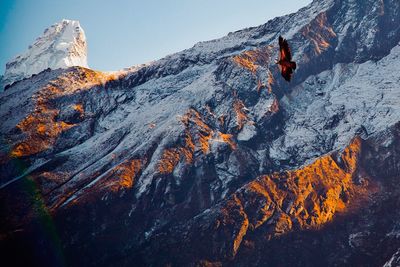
122, 33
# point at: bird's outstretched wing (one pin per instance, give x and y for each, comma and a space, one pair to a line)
284, 49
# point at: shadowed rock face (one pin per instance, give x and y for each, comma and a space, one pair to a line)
208, 158
332, 211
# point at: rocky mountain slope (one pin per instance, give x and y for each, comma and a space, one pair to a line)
62, 45
208, 157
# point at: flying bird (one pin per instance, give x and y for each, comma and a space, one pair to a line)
286, 65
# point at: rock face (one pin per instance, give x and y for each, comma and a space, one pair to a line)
62, 45
209, 158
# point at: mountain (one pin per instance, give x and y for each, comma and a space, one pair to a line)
62, 45
208, 157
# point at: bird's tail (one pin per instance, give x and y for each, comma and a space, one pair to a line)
293, 65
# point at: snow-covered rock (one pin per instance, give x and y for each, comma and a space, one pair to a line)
62, 45
248, 132
394, 260
327, 110
206, 155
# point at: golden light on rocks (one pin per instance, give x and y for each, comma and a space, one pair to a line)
41, 127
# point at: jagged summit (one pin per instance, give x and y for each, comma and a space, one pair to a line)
61, 45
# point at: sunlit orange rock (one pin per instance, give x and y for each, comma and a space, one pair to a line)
169, 159
41, 131
125, 174
319, 32
198, 136
79, 108
252, 59
241, 116
227, 138
40, 127
306, 198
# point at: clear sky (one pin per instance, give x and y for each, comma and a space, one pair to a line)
122, 33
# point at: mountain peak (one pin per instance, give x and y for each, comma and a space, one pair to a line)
61, 45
